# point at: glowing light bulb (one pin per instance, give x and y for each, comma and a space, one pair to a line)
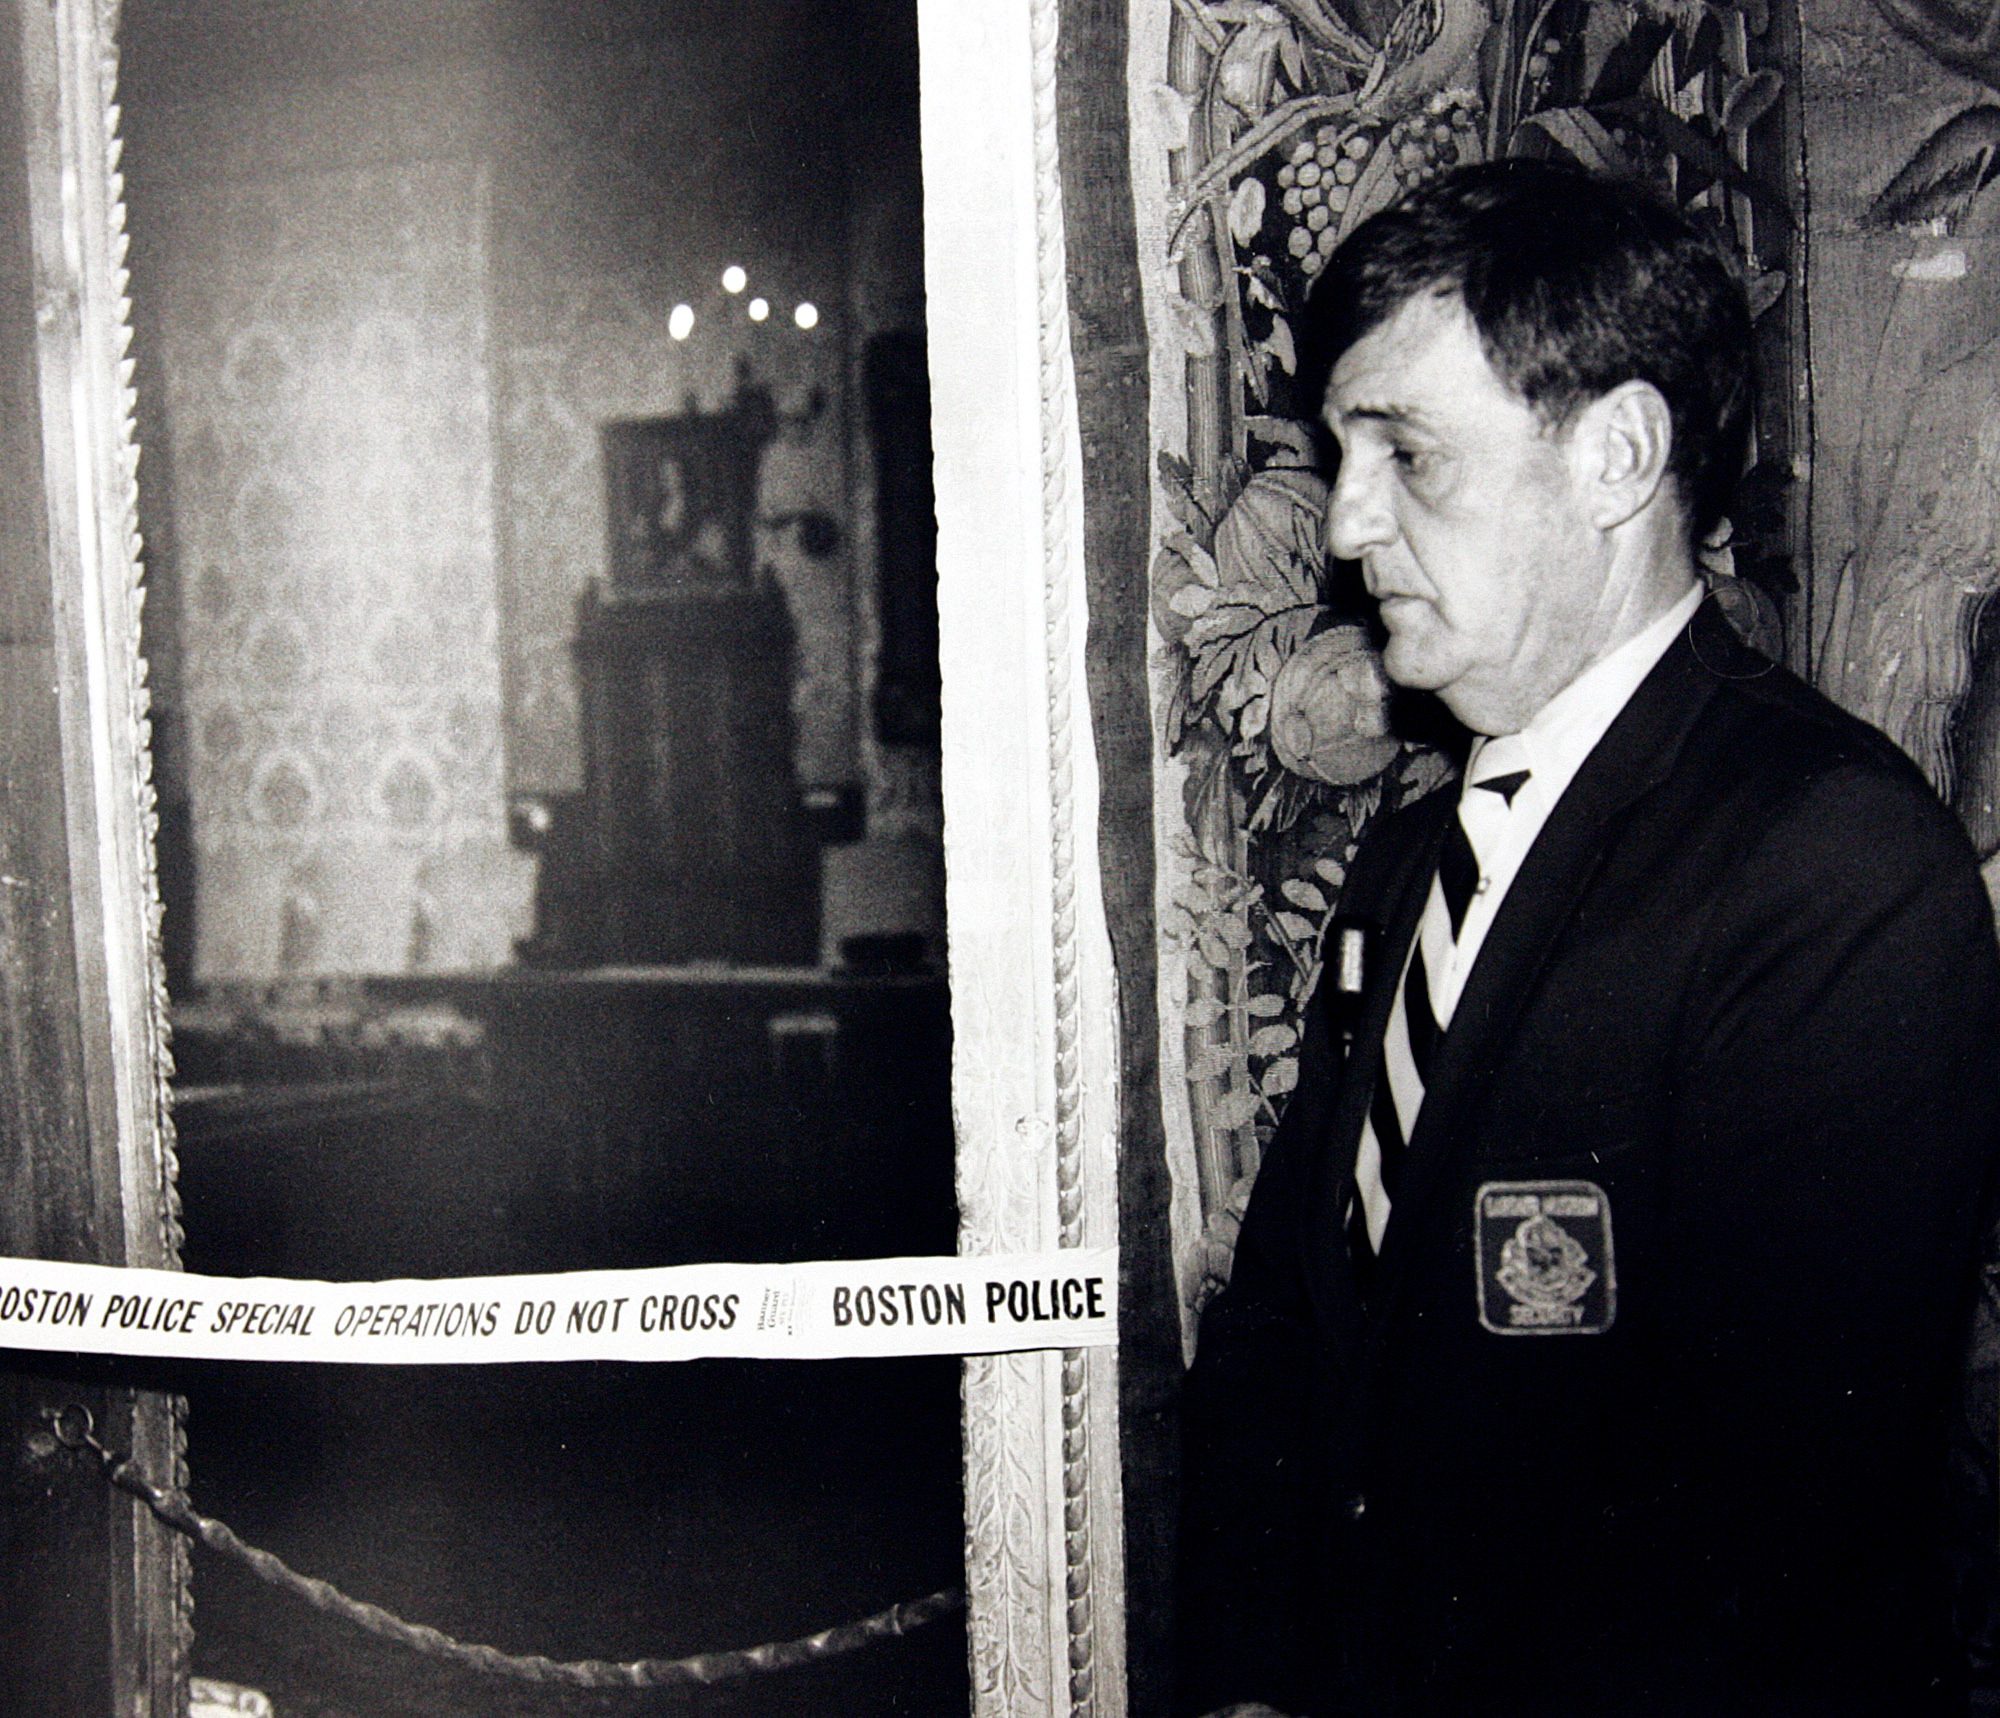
759, 309
806, 316
734, 279
680, 321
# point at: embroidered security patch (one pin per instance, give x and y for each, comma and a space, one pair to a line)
1545, 1260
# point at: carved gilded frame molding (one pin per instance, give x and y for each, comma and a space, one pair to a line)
84, 314
1035, 1075
93, 1174
1035, 1085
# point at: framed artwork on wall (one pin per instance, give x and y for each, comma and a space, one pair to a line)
681, 496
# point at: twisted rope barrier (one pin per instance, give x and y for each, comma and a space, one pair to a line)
75, 1430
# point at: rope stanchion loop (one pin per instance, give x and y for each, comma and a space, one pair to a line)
75, 1430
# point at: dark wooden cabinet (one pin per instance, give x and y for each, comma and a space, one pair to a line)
701, 847
689, 841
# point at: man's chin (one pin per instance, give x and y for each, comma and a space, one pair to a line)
1411, 667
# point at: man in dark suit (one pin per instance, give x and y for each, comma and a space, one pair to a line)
1591, 1339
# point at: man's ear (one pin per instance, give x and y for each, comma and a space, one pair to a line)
1619, 447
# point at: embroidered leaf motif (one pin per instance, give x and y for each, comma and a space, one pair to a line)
1303, 894
1298, 927
1204, 1011
1377, 187
1750, 100
1175, 110
1261, 285
1269, 559
1580, 135
1279, 344
1423, 772
1270, 1040
1246, 211
1232, 931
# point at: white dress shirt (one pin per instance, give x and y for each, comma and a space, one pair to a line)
1551, 748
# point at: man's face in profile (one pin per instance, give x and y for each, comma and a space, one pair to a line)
1462, 508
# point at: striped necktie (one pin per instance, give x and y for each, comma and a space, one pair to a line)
1417, 1020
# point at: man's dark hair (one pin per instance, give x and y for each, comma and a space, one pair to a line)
1576, 284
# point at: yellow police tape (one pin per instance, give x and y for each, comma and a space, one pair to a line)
824, 1310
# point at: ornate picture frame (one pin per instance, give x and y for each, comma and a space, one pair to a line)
98, 1593
1035, 1077
1035, 1081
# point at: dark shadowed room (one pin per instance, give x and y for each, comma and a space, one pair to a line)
542, 633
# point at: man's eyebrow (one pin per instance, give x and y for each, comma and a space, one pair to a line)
1386, 413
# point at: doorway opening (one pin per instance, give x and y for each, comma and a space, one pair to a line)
479, 959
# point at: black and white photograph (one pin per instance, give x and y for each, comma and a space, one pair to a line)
1000, 857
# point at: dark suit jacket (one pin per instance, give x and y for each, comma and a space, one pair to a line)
1745, 988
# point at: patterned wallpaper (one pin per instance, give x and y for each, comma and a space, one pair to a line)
382, 319
323, 361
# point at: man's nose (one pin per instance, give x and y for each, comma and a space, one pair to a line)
1357, 513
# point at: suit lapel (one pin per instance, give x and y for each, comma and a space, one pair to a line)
1638, 751
1393, 910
